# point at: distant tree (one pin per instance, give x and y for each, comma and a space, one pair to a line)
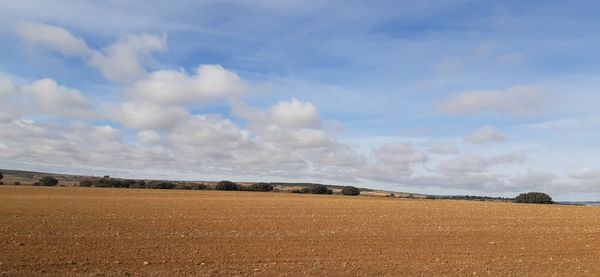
534, 197
227, 185
48, 181
86, 183
1, 177
140, 184
160, 185
198, 187
260, 187
349, 190
183, 187
319, 189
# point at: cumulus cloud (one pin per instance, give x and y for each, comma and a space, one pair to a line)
169, 87
122, 61
6, 86
148, 137
54, 99
476, 163
486, 134
286, 114
294, 113
516, 100
146, 116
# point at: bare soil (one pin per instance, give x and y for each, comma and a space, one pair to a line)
90, 231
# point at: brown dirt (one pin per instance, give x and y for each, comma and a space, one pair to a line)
87, 231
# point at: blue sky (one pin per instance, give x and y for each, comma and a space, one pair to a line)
477, 97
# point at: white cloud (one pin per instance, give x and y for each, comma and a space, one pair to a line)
54, 37
486, 134
530, 180
292, 114
516, 100
476, 163
399, 154
168, 87
148, 137
211, 132
122, 61
6, 86
295, 114
585, 174
54, 99
146, 116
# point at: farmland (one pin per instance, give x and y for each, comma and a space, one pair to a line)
89, 231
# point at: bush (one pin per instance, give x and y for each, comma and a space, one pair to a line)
1, 177
86, 183
314, 189
127, 183
183, 187
160, 185
534, 197
107, 183
260, 187
48, 181
141, 184
198, 187
350, 191
17, 183
227, 185
319, 189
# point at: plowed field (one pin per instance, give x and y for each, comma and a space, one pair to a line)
90, 231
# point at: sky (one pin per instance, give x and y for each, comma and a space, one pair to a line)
442, 97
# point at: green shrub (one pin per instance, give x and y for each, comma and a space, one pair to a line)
141, 184
534, 197
160, 185
48, 181
86, 183
227, 185
198, 187
349, 190
319, 189
105, 183
259, 187
314, 189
